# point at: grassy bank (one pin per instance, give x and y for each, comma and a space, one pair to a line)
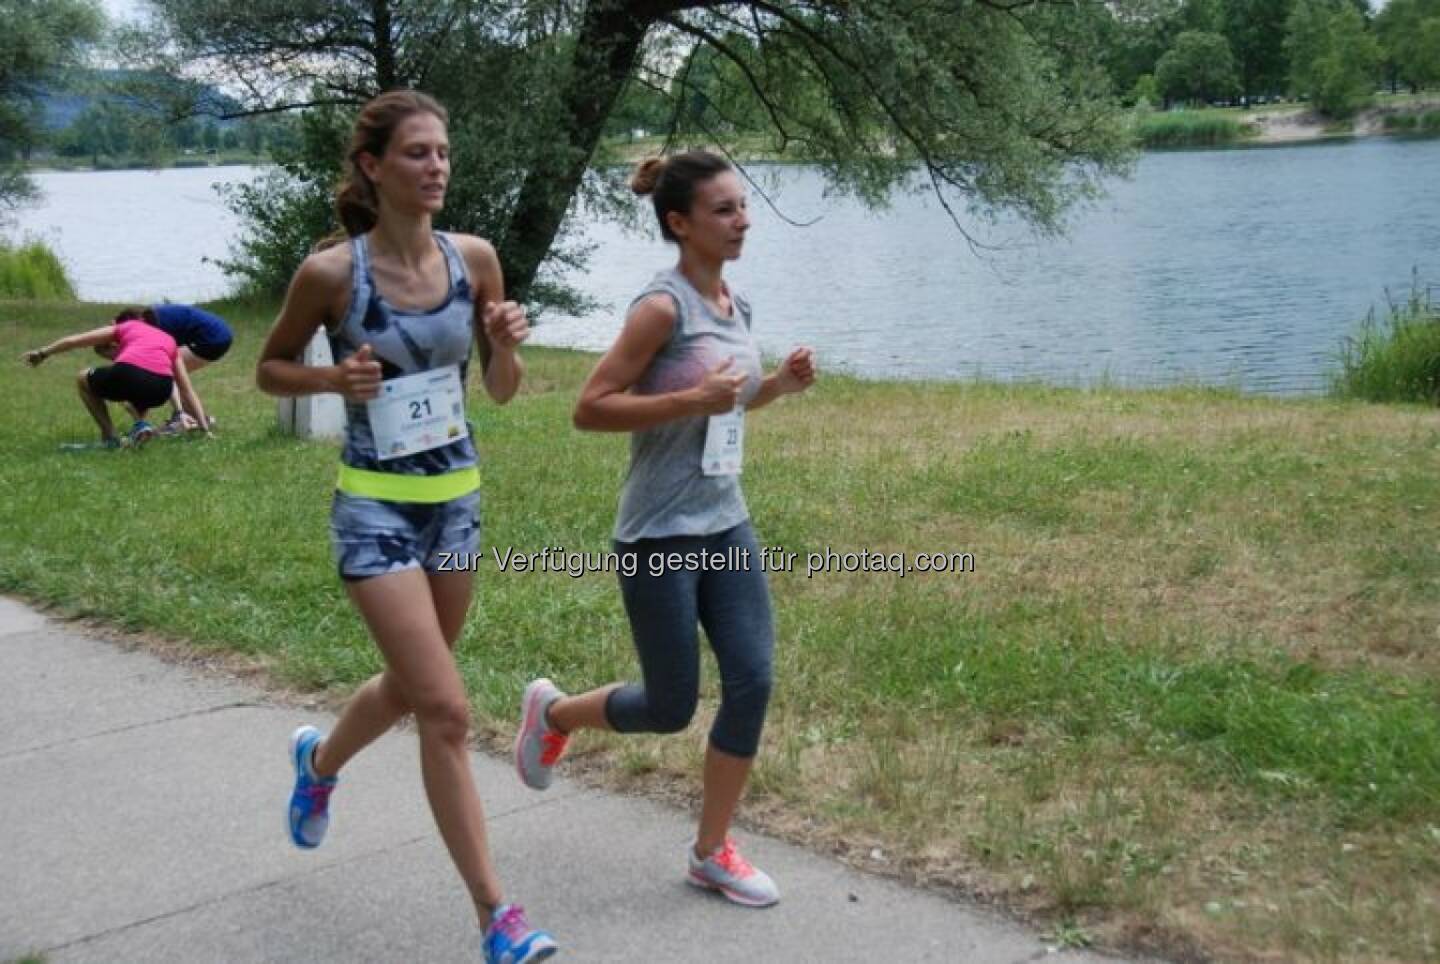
1421, 122
1187, 698
1394, 357
31, 270
1189, 128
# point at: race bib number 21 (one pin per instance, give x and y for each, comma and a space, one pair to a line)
416, 413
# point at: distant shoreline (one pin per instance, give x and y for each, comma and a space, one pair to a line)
1301, 124
48, 166
1266, 127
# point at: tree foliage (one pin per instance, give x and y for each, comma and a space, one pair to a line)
1256, 32
40, 37
1198, 69
1334, 59
1139, 33
995, 105
1409, 33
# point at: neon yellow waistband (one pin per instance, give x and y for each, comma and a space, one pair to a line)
392, 487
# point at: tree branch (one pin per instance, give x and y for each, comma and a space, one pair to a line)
720, 47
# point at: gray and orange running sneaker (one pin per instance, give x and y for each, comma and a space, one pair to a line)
732, 875
538, 746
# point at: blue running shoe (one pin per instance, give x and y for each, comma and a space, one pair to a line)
511, 940
140, 433
310, 803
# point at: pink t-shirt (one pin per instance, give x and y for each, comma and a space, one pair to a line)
145, 346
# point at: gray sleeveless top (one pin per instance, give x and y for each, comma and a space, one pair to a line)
665, 492
406, 342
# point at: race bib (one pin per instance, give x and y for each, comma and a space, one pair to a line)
724, 443
416, 413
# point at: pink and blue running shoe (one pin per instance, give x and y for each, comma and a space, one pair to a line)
511, 940
310, 802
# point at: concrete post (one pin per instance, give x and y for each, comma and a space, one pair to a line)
313, 416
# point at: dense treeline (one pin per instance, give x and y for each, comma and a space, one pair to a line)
115, 131
1166, 53
1334, 53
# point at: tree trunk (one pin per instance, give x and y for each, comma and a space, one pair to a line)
605, 54
384, 46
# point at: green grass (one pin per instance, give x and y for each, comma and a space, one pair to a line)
1397, 360
32, 270
1195, 654
1187, 128
1420, 122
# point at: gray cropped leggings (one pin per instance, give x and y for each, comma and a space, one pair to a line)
734, 608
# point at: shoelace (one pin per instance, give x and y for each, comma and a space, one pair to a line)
512, 923
319, 794
554, 747
729, 858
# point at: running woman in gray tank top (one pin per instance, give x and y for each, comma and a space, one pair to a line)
681, 379
402, 305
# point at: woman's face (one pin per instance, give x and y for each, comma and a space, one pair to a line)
718, 218
415, 169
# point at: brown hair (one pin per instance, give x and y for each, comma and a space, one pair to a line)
356, 204
672, 181
146, 315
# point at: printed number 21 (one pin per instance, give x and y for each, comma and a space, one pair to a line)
420, 409
731, 435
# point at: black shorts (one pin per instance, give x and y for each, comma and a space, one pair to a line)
211, 351
123, 382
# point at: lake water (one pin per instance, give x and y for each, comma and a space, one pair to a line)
1243, 268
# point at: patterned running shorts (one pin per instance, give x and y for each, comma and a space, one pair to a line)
371, 537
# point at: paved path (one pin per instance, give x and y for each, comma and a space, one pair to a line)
141, 819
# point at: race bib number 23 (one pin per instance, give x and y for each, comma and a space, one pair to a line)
724, 443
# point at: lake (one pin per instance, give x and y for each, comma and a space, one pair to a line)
1244, 268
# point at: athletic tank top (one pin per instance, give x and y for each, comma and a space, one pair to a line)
405, 343
665, 492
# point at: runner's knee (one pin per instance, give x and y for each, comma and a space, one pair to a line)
443, 717
672, 712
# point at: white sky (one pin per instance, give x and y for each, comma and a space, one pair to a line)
129, 9
121, 9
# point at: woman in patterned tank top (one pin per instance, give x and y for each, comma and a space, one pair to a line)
402, 305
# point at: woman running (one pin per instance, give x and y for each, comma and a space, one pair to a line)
146, 369
681, 377
402, 304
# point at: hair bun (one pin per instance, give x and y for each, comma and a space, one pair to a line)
647, 174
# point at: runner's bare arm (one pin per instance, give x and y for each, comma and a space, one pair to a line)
188, 398
500, 325
86, 339
318, 294
606, 403
795, 374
